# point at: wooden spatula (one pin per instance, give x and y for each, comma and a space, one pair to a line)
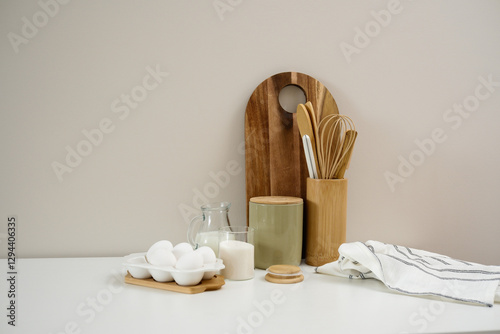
314, 123
312, 116
306, 128
350, 138
329, 106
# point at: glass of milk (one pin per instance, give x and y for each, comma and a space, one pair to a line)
236, 249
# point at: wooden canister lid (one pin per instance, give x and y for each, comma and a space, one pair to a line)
276, 200
284, 274
284, 269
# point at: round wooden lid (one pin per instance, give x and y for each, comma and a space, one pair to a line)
282, 280
276, 200
283, 269
284, 274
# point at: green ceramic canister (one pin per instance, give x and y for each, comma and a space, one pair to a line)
277, 221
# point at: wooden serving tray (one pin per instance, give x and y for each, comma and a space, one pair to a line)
205, 285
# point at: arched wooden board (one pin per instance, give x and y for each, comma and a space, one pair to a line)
274, 157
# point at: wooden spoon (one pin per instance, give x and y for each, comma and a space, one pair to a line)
306, 128
314, 123
329, 106
312, 116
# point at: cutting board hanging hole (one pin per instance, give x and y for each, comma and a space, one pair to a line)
290, 97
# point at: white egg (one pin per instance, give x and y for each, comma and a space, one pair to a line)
162, 257
190, 261
165, 244
208, 254
162, 244
182, 248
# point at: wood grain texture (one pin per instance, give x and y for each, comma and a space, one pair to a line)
350, 138
274, 157
330, 145
284, 280
305, 125
329, 107
205, 285
326, 220
314, 123
284, 274
284, 269
276, 200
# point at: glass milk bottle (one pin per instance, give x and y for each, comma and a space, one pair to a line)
203, 230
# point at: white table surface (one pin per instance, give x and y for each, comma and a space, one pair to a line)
88, 295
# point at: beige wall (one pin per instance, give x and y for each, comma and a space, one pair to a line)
167, 82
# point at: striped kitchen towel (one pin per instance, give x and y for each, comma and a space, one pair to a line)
417, 272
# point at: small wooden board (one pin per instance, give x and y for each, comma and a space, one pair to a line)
205, 285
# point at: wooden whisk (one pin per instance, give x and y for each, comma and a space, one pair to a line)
336, 137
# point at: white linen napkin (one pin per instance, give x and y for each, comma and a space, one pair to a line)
417, 272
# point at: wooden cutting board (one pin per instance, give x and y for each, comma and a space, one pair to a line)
274, 156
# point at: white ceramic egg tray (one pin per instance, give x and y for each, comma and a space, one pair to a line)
139, 268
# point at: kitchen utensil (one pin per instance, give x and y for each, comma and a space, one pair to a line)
278, 223
349, 152
275, 164
306, 129
331, 137
311, 157
326, 219
304, 122
329, 108
347, 148
313, 118
314, 123
203, 230
307, 153
329, 143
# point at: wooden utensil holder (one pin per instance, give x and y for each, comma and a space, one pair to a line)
326, 205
